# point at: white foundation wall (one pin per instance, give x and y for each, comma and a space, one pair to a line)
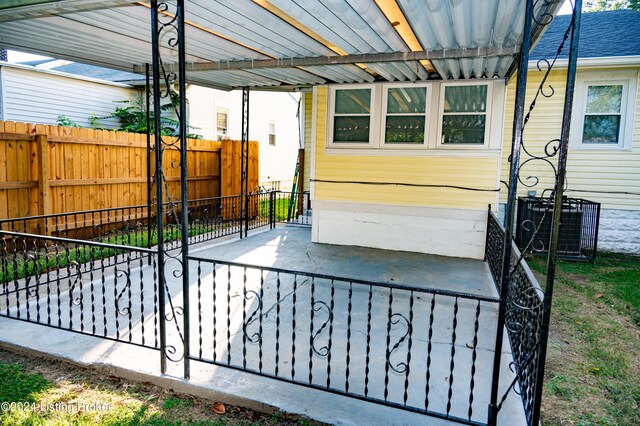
619, 231
440, 231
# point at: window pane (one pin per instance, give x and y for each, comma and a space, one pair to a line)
404, 129
465, 98
467, 129
601, 129
604, 99
221, 120
351, 129
410, 100
353, 101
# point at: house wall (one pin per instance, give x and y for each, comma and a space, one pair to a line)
42, 96
608, 176
444, 221
277, 163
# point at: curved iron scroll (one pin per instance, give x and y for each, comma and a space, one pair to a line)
257, 336
324, 350
400, 367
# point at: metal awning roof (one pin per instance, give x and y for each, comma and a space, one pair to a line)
285, 44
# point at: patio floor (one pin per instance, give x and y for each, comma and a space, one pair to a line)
290, 247
281, 318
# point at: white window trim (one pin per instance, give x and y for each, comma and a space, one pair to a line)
629, 82
373, 139
275, 133
226, 111
487, 113
428, 117
496, 94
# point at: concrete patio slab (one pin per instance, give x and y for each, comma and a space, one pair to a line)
306, 330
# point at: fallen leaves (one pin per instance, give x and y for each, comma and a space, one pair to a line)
218, 408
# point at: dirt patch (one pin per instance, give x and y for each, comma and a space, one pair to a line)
71, 383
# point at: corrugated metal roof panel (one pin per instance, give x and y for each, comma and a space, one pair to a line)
217, 31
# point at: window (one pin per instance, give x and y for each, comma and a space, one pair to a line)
272, 133
405, 119
603, 114
604, 108
222, 118
352, 116
421, 116
464, 115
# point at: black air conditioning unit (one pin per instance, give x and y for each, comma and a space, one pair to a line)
578, 227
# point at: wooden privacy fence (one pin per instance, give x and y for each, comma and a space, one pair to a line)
50, 169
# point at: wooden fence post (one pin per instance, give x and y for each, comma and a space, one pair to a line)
44, 194
43, 175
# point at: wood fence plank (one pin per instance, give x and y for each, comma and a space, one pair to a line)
90, 169
4, 213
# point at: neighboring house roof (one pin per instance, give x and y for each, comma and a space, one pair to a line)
602, 34
90, 71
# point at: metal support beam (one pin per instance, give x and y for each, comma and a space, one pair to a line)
157, 80
184, 197
479, 52
518, 126
557, 205
244, 173
147, 96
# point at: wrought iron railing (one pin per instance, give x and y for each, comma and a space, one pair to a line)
292, 207
494, 248
79, 286
407, 347
523, 319
209, 219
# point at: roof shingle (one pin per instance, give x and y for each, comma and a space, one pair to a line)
602, 34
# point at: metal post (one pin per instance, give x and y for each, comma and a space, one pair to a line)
244, 174
557, 206
149, 183
518, 125
272, 209
184, 222
158, 177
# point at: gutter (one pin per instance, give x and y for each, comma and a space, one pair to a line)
601, 62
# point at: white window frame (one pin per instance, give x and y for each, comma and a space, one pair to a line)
275, 132
428, 117
219, 136
373, 133
487, 113
628, 81
496, 102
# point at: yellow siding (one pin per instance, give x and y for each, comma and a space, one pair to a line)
308, 109
426, 170
606, 171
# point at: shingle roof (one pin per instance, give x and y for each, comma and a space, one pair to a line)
100, 73
602, 34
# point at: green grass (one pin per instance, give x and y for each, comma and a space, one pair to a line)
593, 373
281, 209
19, 386
57, 393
